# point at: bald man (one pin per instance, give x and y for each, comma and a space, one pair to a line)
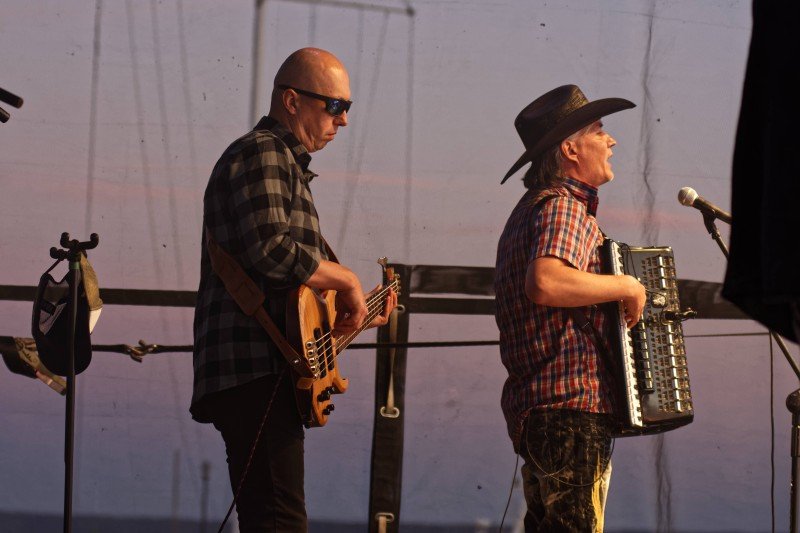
259, 208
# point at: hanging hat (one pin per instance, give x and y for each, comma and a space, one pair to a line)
556, 115
51, 327
21, 357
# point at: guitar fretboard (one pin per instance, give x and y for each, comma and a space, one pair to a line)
375, 305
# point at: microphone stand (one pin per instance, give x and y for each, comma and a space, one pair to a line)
72, 253
792, 401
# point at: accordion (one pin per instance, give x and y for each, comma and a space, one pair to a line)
651, 378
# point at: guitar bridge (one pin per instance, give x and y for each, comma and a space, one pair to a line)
312, 358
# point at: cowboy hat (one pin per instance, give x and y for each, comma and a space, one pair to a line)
556, 115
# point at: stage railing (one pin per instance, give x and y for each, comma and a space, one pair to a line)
426, 289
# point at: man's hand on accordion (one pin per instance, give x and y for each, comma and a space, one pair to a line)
555, 282
634, 302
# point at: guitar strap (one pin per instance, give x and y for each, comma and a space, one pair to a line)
250, 299
329, 250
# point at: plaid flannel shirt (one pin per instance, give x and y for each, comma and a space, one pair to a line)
551, 363
259, 208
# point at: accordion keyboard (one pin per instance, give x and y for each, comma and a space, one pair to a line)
651, 356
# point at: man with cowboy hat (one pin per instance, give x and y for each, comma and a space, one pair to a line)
557, 399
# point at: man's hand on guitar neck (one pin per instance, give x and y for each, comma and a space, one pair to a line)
343, 319
351, 306
391, 302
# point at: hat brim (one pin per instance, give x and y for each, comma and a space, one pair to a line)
581, 117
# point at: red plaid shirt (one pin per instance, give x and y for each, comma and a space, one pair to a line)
551, 364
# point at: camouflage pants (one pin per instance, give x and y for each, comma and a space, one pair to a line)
566, 472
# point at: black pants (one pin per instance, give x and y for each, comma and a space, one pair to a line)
272, 497
566, 472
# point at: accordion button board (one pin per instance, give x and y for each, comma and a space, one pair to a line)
649, 360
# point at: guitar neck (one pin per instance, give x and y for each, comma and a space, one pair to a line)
375, 306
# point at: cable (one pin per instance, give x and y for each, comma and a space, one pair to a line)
772, 432
554, 475
510, 492
252, 450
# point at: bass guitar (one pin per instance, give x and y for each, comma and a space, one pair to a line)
309, 324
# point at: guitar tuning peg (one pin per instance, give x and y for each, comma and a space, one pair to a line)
384, 262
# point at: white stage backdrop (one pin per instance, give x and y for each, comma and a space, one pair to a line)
128, 104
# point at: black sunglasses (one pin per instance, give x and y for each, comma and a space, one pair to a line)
334, 106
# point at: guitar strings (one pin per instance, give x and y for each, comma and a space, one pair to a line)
371, 307
325, 342
373, 310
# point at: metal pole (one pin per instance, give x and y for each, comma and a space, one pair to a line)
258, 44
793, 404
69, 430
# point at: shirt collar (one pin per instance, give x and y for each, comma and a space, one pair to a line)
584, 192
301, 155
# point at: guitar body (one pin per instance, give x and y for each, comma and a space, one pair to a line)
310, 318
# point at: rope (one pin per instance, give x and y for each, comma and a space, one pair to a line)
409, 135
98, 23
137, 353
139, 109
351, 186
187, 99
165, 143
650, 224
312, 24
90, 178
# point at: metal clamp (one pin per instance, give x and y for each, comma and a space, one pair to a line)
383, 519
390, 412
137, 353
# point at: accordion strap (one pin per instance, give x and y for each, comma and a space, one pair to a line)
583, 323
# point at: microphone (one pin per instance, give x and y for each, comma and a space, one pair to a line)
689, 197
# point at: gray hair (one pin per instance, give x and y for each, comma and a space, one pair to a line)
547, 170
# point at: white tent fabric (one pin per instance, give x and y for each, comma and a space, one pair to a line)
127, 107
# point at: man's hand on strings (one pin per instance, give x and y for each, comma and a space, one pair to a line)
391, 302
351, 310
